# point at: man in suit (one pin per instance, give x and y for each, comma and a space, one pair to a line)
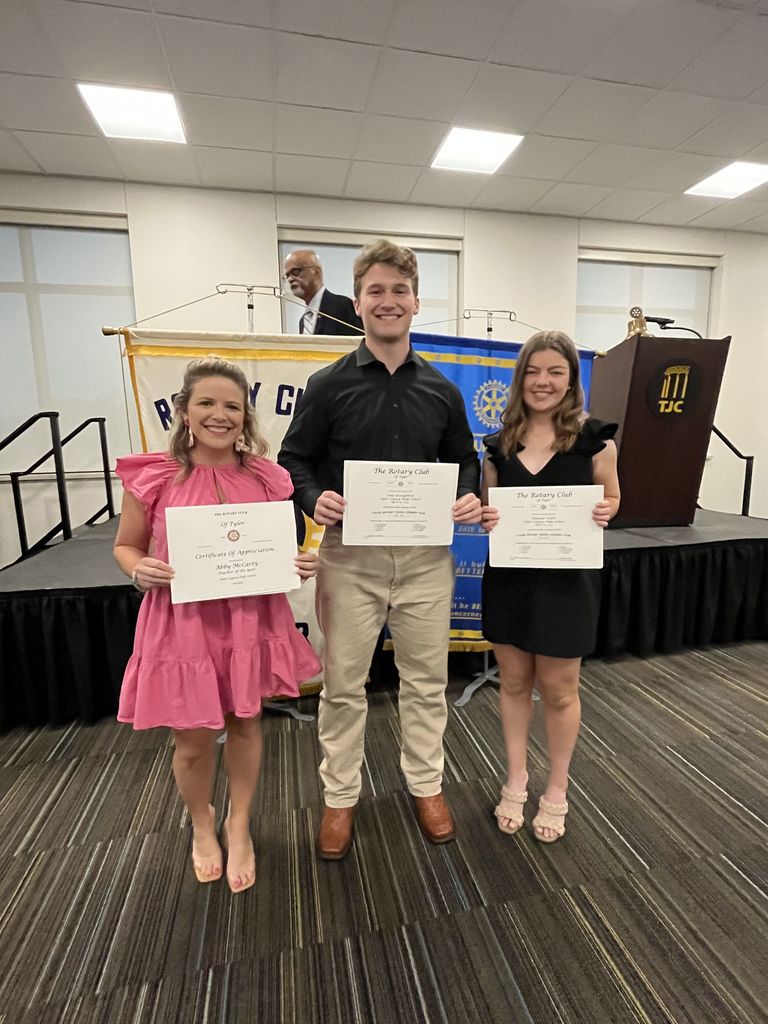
304, 274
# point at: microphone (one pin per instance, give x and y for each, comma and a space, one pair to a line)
662, 321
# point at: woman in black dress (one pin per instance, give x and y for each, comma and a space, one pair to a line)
542, 621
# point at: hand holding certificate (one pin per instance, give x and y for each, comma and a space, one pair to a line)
546, 527
399, 503
231, 550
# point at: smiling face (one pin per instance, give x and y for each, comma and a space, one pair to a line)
386, 304
546, 379
215, 415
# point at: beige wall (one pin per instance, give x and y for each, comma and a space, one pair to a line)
184, 241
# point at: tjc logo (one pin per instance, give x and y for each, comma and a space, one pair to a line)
674, 388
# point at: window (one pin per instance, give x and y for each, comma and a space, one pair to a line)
438, 284
58, 286
606, 290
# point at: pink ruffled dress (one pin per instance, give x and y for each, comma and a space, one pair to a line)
193, 663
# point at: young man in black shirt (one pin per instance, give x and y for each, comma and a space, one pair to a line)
382, 402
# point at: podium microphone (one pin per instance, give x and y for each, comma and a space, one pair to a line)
662, 321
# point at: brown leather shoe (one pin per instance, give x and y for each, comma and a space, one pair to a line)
335, 836
435, 819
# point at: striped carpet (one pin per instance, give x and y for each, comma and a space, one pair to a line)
652, 909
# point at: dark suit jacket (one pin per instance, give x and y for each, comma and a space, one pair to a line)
339, 306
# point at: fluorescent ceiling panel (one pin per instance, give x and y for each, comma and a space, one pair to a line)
466, 149
134, 113
734, 180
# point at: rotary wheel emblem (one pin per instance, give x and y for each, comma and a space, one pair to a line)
490, 401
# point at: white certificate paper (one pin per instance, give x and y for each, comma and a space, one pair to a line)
546, 527
231, 550
399, 503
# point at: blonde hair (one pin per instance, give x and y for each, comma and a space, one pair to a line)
383, 251
567, 417
197, 370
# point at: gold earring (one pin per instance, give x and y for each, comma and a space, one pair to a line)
240, 445
191, 438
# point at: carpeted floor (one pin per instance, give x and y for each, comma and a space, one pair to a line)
652, 909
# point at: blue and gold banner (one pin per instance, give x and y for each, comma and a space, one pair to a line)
483, 372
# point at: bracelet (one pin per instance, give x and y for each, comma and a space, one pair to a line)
135, 582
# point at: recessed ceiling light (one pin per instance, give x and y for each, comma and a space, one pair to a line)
734, 180
466, 149
134, 113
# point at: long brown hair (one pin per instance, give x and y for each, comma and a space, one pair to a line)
197, 370
567, 417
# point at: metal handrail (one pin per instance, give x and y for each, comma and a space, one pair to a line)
749, 461
57, 444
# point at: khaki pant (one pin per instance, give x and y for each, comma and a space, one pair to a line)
358, 590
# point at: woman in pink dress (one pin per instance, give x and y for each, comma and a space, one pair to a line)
205, 666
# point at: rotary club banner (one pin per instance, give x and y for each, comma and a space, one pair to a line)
277, 368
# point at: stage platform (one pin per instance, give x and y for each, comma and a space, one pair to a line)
67, 615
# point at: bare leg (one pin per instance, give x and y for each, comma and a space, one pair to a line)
516, 676
242, 754
194, 758
558, 680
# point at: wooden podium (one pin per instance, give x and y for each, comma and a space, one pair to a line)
663, 393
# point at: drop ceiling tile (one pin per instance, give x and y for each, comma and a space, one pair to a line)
166, 163
544, 156
418, 83
759, 95
316, 132
324, 72
315, 175
676, 172
134, 5
734, 133
362, 21
679, 210
759, 224
610, 164
457, 30
732, 68
106, 44
13, 156
509, 99
731, 214
70, 154
220, 121
558, 35
592, 110
628, 204
227, 168
24, 44
669, 119
399, 140
44, 105
222, 60
256, 13
447, 188
382, 182
504, 192
571, 200
658, 39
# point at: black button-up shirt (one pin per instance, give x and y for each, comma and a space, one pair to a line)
355, 409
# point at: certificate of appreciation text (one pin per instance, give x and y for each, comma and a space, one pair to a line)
399, 503
231, 550
546, 527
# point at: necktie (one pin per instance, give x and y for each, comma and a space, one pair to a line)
307, 322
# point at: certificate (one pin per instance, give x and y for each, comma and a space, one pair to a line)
546, 527
399, 503
231, 550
